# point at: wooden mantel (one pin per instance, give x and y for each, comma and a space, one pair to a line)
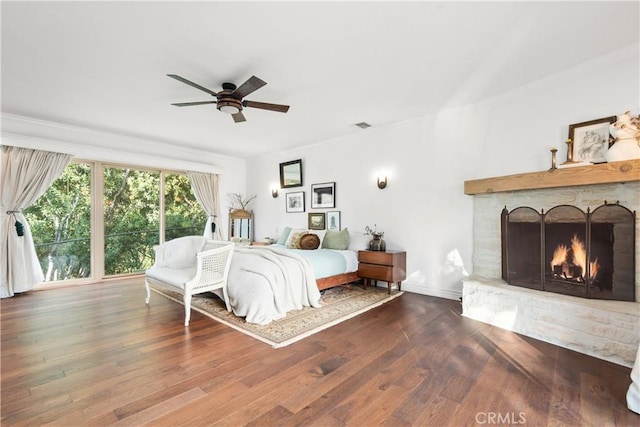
604, 173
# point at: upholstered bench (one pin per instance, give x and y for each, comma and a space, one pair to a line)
191, 265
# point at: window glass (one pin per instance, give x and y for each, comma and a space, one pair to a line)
183, 214
131, 219
60, 222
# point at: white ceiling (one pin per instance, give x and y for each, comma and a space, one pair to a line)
103, 65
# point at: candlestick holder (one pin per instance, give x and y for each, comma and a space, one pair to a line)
554, 164
570, 160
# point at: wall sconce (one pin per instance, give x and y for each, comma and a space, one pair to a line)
382, 182
274, 192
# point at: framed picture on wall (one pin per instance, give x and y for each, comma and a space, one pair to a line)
323, 195
291, 174
295, 202
333, 220
591, 140
316, 221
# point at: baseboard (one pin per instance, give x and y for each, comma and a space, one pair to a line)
434, 292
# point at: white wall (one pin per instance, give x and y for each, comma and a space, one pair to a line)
525, 123
89, 144
424, 210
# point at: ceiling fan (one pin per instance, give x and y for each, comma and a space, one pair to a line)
230, 99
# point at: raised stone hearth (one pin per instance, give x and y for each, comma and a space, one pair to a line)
604, 329
608, 330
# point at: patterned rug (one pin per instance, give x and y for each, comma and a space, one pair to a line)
338, 304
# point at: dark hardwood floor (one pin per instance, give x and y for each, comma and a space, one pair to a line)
96, 355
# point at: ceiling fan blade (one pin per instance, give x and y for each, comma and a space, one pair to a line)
238, 117
266, 106
197, 86
187, 104
249, 86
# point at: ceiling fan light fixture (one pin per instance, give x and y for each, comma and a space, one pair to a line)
230, 100
229, 109
229, 106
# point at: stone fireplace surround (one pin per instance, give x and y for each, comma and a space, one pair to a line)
608, 330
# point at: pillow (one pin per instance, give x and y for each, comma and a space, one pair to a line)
293, 232
296, 238
284, 236
309, 241
213, 244
181, 252
319, 233
336, 239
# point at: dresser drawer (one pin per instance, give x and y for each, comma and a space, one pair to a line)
382, 258
376, 272
389, 266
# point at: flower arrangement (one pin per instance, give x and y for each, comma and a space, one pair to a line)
373, 232
626, 131
626, 127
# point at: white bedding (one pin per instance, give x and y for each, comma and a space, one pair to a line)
265, 283
351, 257
328, 262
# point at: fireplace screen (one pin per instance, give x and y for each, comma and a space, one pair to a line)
568, 251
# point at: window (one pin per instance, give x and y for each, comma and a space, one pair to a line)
183, 214
131, 216
131, 219
60, 222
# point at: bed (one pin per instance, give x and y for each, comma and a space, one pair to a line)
327, 272
266, 282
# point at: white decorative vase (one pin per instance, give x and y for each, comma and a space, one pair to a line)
626, 131
624, 149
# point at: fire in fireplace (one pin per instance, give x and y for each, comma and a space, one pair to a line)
569, 251
570, 263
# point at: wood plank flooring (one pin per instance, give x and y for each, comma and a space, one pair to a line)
97, 355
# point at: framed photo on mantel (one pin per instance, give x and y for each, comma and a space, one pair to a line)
591, 140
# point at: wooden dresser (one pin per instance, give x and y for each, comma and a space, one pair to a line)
388, 266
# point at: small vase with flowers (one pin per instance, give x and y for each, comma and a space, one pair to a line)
377, 243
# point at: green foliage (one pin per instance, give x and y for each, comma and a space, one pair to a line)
183, 214
61, 220
131, 219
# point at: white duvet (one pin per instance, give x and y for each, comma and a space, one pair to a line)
267, 282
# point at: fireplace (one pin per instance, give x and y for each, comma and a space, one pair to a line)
602, 328
569, 251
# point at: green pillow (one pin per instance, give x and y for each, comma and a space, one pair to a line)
283, 237
336, 239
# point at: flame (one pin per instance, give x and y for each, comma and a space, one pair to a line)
579, 254
579, 258
559, 255
593, 268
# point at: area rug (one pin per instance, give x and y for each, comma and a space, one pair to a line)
338, 304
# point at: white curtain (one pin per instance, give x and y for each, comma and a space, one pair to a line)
633, 394
205, 187
24, 176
